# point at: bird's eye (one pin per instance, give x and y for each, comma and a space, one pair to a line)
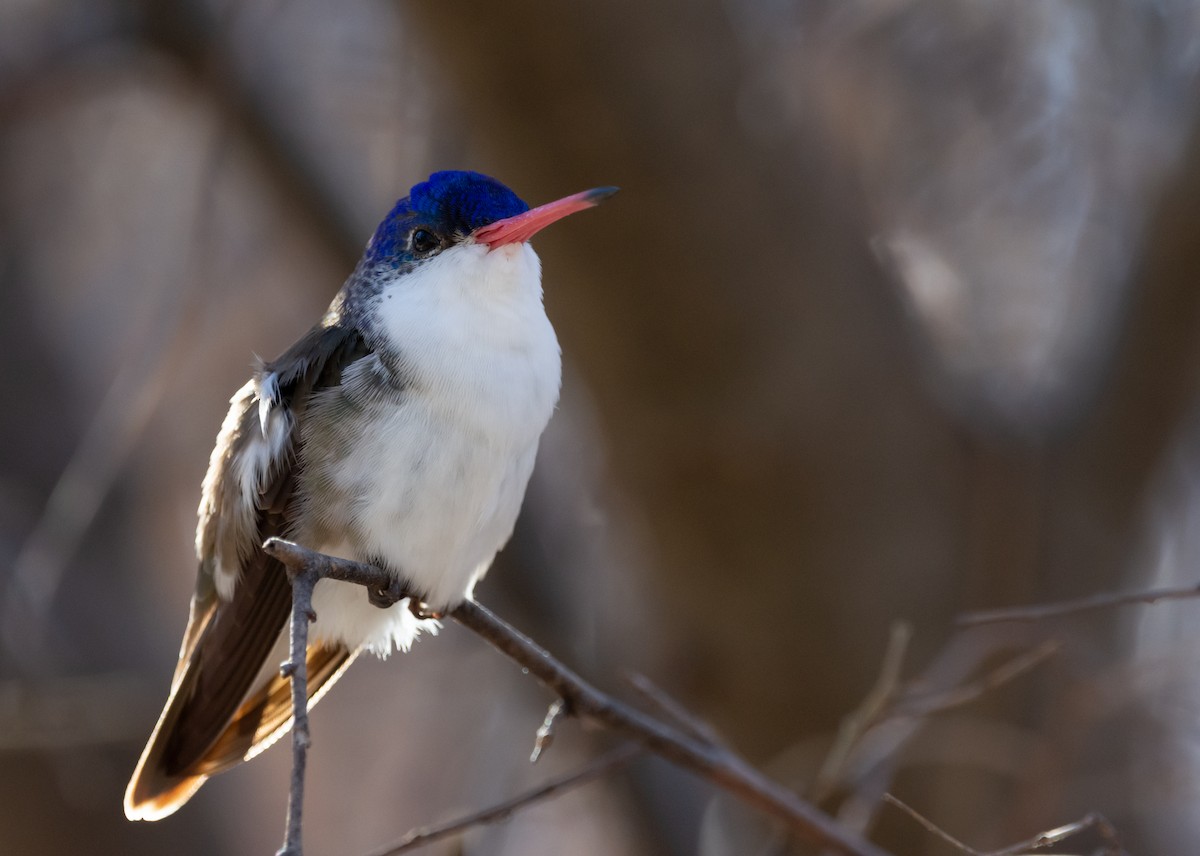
424, 242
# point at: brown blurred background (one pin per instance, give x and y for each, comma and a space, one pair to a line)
895, 317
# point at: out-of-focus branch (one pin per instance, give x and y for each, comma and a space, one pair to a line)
867, 754
718, 765
195, 36
1093, 820
107, 443
1091, 603
873, 709
926, 705
683, 717
715, 763
502, 811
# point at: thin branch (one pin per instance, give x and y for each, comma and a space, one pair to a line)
873, 709
109, 440
865, 756
303, 582
930, 826
940, 702
503, 811
718, 765
1092, 820
722, 767
666, 704
1091, 603
545, 733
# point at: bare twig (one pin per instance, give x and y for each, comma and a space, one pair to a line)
924, 705
1093, 820
867, 752
930, 826
303, 580
718, 765
873, 708
110, 438
683, 717
1091, 603
556, 787
545, 733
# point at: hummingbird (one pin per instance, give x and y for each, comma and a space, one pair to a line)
401, 431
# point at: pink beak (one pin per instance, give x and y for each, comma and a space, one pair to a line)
522, 227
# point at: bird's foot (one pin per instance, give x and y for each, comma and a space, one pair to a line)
390, 596
421, 610
396, 591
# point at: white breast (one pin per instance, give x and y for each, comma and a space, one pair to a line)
434, 476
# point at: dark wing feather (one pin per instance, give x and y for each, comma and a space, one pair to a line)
212, 721
267, 715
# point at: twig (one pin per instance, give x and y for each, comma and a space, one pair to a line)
924, 705
1091, 603
718, 765
109, 440
303, 582
555, 787
545, 733
930, 826
688, 721
873, 709
864, 758
1092, 820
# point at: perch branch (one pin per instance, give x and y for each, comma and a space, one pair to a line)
720, 766
599, 768
303, 580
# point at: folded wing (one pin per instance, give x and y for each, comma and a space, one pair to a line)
227, 700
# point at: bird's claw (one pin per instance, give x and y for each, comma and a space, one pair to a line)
390, 596
422, 611
397, 591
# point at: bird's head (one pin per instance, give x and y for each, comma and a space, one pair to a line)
457, 208
453, 259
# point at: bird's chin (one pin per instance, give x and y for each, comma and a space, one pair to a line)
508, 251
511, 269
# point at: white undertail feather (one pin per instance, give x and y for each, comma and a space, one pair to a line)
345, 615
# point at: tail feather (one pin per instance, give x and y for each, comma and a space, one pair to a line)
156, 790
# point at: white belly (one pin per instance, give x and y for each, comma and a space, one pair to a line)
421, 458
428, 488
435, 499
428, 494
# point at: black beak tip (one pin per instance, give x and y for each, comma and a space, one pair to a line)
598, 194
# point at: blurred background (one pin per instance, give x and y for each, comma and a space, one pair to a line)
895, 317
